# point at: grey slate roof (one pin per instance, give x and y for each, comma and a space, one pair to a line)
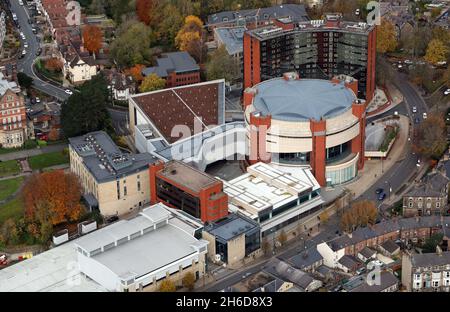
433, 185
367, 252
306, 258
178, 62
350, 262
303, 99
390, 246
105, 160
340, 242
286, 272
387, 280
295, 11
430, 259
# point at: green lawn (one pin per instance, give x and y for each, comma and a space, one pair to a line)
8, 187
13, 209
9, 167
47, 160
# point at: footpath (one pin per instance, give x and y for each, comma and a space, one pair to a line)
33, 152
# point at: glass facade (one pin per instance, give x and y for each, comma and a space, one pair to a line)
292, 158
338, 152
341, 175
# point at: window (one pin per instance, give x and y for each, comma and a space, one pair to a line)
125, 190
139, 186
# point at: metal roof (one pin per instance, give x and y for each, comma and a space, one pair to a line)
178, 62
232, 226
232, 38
302, 99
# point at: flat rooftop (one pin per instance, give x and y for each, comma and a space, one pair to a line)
232, 38
265, 188
302, 99
137, 246
185, 175
104, 159
231, 226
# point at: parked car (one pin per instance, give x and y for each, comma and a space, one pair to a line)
38, 100
417, 120
408, 62
379, 190
381, 196
424, 116
68, 91
447, 92
414, 110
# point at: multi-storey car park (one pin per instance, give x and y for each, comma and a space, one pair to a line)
315, 49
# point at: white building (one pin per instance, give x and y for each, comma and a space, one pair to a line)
138, 253
276, 199
159, 241
333, 251
78, 71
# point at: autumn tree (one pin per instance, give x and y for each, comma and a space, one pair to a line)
361, 213
282, 238
222, 65
386, 37
432, 137
53, 64
152, 83
92, 38
170, 24
52, 196
167, 286
136, 72
436, 51
53, 135
145, 10
415, 41
189, 281
9, 232
190, 38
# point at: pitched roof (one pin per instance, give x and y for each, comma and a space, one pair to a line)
430, 259
367, 252
178, 62
433, 185
390, 246
286, 272
306, 258
350, 262
387, 279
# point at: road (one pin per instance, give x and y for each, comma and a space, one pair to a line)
25, 64
401, 171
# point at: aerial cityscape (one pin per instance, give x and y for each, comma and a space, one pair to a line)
224, 146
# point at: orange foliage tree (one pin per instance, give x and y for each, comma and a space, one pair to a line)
190, 38
145, 10
53, 135
361, 213
56, 192
136, 72
53, 64
92, 38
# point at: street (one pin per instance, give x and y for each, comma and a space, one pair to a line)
25, 64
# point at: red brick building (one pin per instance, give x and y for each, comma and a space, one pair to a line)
299, 122
177, 68
315, 49
180, 186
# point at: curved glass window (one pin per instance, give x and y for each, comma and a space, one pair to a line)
338, 152
292, 158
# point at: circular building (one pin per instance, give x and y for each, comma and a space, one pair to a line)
307, 122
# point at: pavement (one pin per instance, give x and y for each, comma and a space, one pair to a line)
25, 64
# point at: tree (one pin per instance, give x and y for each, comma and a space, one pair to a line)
167, 286
24, 80
86, 111
53, 197
386, 37
446, 77
92, 38
222, 65
53, 135
53, 64
415, 41
136, 72
132, 45
265, 246
10, 232
144, 10
171, 22
361, 213
432, 137
282, 238
436, 51
152, 83
432, 242
324, 217
190, 38
189, 281
384, 71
